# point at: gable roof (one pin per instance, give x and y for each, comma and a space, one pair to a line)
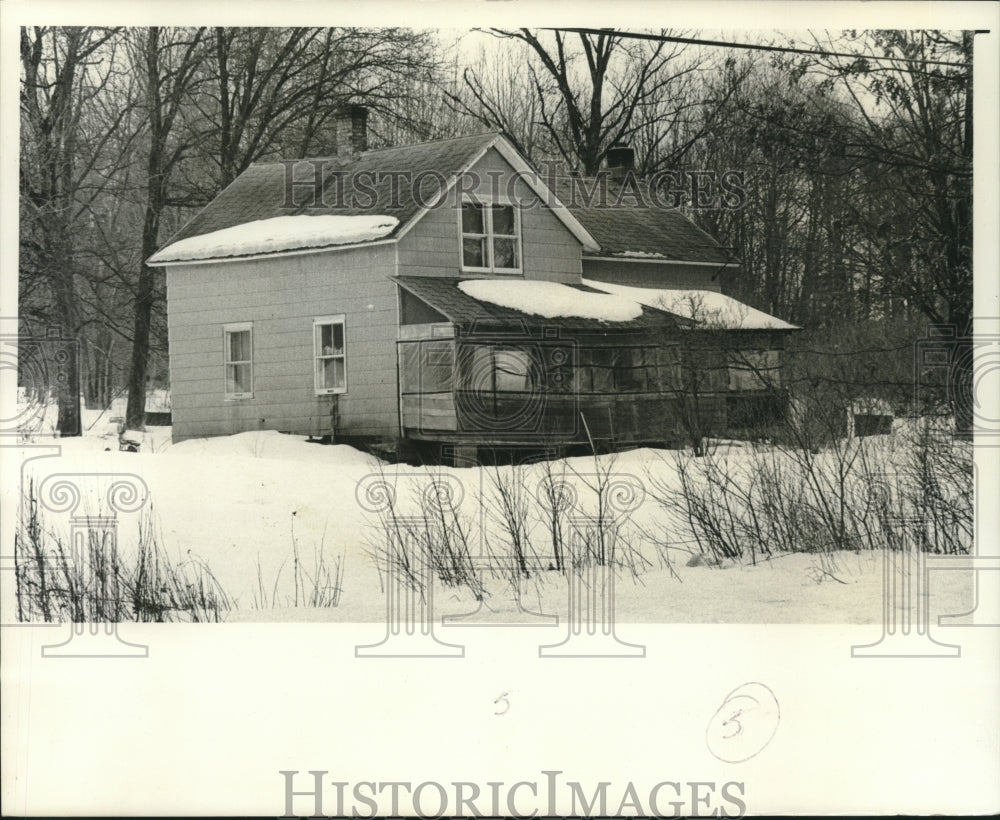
363, 186
618, 227
444, 296
638, 228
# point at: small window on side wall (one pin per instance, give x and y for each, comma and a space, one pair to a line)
237, 347
330, 355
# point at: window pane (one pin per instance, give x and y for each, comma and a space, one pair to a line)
409, 367
475, 364
332, 374
602, 380
753, 370
331, 339
505, 253
474, 253
239, 346
436, 367
512, 369
238, 378
503, 220
472, 218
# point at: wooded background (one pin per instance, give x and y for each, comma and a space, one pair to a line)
856, 150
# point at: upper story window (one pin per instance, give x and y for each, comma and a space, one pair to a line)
237, 342
491, 238
330, 355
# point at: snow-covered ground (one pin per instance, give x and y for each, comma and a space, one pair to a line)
245, 505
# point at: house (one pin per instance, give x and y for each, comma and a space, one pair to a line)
446, 295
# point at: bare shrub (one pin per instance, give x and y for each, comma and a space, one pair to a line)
434, 536
318, 585
852, 495
99, 583
555, 500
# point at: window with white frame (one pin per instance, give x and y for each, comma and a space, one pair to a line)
237, 342
330, 354
491, 237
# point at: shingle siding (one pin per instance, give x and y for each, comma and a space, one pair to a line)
281, 297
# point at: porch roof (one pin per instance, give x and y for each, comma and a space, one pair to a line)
443, 295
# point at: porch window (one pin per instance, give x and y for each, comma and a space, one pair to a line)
330, 355
237, 346
491, 238
496, 369
426, 366
754, 370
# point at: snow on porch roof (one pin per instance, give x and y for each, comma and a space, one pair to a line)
466, 302
704, 307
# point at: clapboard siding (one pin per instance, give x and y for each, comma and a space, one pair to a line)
281, 297
645, 274
548, 250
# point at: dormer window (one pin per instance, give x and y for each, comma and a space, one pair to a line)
491, 238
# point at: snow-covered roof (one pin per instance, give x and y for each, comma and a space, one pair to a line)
640, 254
364, 185
552, 299
705, 307
280, 233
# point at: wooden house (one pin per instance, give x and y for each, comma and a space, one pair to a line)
445, 294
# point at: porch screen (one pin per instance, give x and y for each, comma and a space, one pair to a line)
426, 366
496, 368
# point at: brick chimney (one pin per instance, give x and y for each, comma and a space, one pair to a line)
352, 131
620, 159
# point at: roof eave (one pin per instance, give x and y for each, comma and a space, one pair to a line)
656, 260
274, 255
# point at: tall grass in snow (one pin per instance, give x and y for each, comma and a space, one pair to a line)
317, 583
98, 582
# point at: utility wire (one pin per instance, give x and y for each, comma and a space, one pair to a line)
665, 38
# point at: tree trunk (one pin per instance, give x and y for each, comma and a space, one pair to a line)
135, 413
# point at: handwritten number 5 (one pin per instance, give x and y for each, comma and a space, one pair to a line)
505, 701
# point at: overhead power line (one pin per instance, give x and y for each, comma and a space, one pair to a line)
666, 38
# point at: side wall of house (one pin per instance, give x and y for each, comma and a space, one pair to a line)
548, 250
657, 275
281, 297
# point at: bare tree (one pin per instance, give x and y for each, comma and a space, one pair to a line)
914, 147
169, 60
62, 147
270, 91
590, 88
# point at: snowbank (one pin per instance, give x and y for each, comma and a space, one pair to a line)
551, 299
281, 233
256, 506
704, 306
271, 444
